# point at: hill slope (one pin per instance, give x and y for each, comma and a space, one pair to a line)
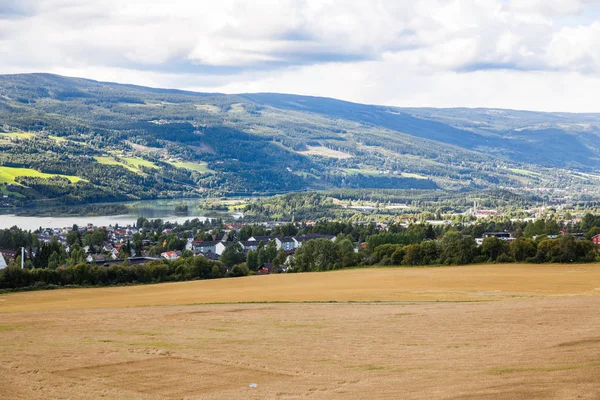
130, 142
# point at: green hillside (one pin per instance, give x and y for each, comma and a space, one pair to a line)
126, 143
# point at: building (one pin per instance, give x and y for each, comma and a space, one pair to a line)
305, 238
285, 243
499, 235
596, 239
205, 247
265, 269
264, 239
2, 262
249, 245
170, 255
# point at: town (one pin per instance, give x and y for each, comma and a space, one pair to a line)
271, 247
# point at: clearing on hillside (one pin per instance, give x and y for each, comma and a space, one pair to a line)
9, 174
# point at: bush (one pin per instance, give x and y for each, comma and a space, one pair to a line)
239, 270
505, 259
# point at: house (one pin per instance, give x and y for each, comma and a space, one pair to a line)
265, 269
305, 238
2, 262
286, 243
169, 255
9, 253
499, 235
249, 245
596, 240
205, 247
264, 239
216, 247
209, 256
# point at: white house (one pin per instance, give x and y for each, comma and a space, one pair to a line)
169, 255
286, 243
2, 262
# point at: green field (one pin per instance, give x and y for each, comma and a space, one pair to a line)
357, 171
525, 172
139, 162
18, 135
57, 138
112, 161
200, 167
414, 176
8, 175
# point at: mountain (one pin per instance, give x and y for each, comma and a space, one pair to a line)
81, 141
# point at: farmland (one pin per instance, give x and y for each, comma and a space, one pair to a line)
9, 174
198, 167
494, 332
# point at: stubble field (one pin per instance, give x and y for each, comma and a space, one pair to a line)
481, 332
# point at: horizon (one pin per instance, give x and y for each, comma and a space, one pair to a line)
299, 95
499, 54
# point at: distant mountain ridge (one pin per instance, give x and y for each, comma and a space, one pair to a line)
171, 142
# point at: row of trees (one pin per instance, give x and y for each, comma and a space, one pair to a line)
184, 269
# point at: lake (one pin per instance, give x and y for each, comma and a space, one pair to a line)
154, 209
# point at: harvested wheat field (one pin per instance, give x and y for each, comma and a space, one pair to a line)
440, 333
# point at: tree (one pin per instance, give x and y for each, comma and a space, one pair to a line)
239, 270
94, 238
412, 255
76, 256
233, 255
252, 260
492, 248
316, 255
457, 249
54, 261
522, 248
346, 253
73, 238
245, 233
270, 251
279, 260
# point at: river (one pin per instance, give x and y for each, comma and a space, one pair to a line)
163, 209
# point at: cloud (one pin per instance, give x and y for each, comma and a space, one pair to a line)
362, 51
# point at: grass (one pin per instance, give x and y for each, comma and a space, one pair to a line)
525, 172
415, 176
501, 371
200, 167
107, 160
325, 152
358, 171
18, 135
510, 349
139, 162
9, 174
477, 283
57, 138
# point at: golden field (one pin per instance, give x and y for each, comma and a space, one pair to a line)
423, 333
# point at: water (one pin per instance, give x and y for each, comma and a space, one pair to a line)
163, 209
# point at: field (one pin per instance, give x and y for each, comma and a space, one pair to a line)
492, 332
107, 160
198, 167
139, 162
325, 152
8, 175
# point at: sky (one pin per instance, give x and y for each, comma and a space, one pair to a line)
518, 54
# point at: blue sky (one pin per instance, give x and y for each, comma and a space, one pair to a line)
525, 54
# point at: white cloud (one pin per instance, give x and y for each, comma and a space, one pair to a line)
500, 53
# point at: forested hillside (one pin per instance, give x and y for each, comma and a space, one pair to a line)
79, 141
